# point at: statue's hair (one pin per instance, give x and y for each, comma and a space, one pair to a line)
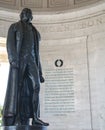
26, 10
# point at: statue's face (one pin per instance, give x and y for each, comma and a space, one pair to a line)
26, 15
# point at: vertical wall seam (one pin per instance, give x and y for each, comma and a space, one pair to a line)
88, 69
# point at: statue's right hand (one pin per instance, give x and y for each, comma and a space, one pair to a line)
14, 64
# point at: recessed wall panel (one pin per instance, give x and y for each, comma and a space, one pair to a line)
84, 1
9, 4
55, 3
31, 3
65, 94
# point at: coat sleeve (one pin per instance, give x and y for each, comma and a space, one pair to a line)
37, 55
11, 44
40, 67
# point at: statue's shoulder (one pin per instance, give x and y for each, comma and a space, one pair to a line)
15, 26
36, 31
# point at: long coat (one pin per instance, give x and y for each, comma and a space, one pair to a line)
14, 43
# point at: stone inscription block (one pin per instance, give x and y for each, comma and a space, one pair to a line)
59, 93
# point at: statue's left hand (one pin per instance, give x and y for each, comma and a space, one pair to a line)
42, 79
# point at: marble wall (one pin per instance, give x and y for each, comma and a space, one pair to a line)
79, 42
78, 39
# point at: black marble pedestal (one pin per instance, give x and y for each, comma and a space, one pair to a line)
28, 127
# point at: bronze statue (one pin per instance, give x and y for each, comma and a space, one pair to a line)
22, 96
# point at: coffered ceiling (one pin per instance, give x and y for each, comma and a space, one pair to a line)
45, 5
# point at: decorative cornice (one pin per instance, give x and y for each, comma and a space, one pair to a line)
59, 23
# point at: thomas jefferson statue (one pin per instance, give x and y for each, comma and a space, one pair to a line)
22, 96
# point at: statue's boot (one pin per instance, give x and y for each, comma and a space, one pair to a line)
36, 108
8, 120
37, 121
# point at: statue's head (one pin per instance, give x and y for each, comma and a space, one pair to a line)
26, 15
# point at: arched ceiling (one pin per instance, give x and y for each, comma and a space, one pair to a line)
45, 5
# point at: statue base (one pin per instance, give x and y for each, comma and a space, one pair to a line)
24, 127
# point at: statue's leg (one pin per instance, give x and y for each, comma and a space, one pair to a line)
34, 76
21, 118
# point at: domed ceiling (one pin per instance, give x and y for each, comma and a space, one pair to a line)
45, 5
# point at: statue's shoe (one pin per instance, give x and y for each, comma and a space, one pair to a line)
39, 122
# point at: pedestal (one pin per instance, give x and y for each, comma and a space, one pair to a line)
34, 127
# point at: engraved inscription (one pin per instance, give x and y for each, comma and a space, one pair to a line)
69, 26
59, 92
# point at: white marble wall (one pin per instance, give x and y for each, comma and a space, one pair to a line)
80, 43
97, 78
73, 52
